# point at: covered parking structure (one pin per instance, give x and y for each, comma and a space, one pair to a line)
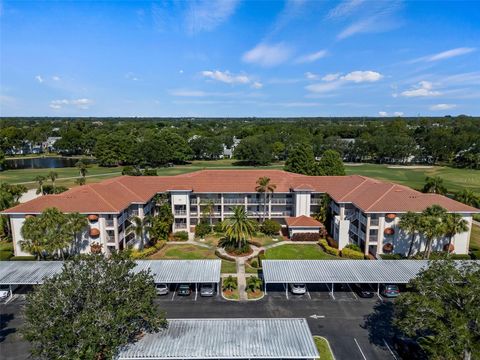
333, 272
226, 339
13, 273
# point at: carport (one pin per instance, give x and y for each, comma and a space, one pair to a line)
331, 272
226, 339
183, 271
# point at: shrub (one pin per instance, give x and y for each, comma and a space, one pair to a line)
218, 227
6, 246
440, 255
352, 254
332, 251
354, 247
332, 242
135, 254
180, 236
202, 229
254, 263
306, 237
475, 254
270, 227
23, 258
261, 257
391, 256
150, 172
323, 243
254, 283
5, 255
229, 283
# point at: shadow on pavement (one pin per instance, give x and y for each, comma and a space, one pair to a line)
4, 330
379, 324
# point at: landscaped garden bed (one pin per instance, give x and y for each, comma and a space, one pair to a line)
230, 288
323, 348
254, 295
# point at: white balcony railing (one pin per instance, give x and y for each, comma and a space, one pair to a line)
234, 201
180, 226
316, 201
281, 201
180, 212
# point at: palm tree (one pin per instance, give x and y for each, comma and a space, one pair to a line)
80, 181
264, 186
140, 227
39, 179
434, 185
209, 210
238, 228
82, 168
432, 226
229, 283
53, 176
75, 224
410, 223
33, 242
468, 197
254, 283
453, 224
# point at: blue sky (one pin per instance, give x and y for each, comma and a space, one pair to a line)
239, 58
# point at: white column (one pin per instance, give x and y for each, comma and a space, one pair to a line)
222, 209
367, 234
115, 232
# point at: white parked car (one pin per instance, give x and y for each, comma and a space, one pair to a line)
207, 290
5, 291
162, 289
298, 289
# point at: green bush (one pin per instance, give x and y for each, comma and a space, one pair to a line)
441, 255
475, 254
332, 251
270, 227
180, 236
354, 247
218, 227
5, 255
23, 258
352, 254
202, 229
6, 246
305, 237
135, 254
254, 263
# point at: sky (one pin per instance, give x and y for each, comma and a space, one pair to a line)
229, 58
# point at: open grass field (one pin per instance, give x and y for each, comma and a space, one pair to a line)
297, 252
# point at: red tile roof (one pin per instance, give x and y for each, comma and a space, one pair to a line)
302, 221
116, 194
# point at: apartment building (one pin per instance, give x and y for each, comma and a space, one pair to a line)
364, 211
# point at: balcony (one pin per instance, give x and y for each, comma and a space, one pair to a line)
373, 222
109, 223
362, 218
255, 201
181, 212
316, 201
281, 213
180, 226
234, 201
281, 201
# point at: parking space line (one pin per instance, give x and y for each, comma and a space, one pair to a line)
286, 290
308, 292
174, 292
353, 293
330, 292
359, 348
389, 349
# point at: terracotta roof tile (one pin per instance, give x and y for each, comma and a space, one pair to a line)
302, 221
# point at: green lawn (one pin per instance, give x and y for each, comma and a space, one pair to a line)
475, 238
454, 179
323, 348
297, 252
229, 267
184, 252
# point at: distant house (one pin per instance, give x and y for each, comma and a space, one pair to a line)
48, 145
228, 152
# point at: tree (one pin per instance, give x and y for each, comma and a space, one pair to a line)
238, 228
434, 185
9, 196
254, 283
209, 211
264, 187
270, 227
229, 283
410, 222
75, 224
442, 311
453, 224
2, 160
90, 309
39, 180
431, 226
468, 197
140, 227
254, 150
80, 181
53, 176
300, 160
330, 164
82, 168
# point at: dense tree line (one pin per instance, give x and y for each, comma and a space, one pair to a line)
159, 141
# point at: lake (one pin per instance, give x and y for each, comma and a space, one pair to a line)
43, 163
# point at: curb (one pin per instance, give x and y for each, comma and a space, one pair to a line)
328, 344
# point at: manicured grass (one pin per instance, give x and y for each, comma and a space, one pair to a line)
475, 238
323, 348
297, 252
184, 252
454, 179
229, 267
263, 240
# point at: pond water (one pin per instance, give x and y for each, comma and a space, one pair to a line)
43, 162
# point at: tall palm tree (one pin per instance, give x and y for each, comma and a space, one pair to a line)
432, 226
75, 224
33, 242
140, 227
453, 224
468, 197
39, 179
410, 223
238, 228
264, 186
209, 210
434, 185
82, 168
53, 176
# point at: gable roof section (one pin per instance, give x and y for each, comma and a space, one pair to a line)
115, 195
302, 221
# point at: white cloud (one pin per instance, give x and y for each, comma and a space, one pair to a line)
79, 103
324, 87
362, 76
180, 71
311, 76
56, 78
206, 15
331, 77
398, 113
382, 113
445, 54
440, 107
226, 77
257, 85
39, 79
361, 26
423, 89
344, 9
267, 54
131, 76
312, 57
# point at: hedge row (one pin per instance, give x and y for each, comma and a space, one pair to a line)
5, 255
21, 258
332, 242
180, 236
305, 237
352, 254
135, 254
328, 249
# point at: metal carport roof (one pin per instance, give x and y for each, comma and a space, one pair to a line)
163, 271
341, 271
226, 339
